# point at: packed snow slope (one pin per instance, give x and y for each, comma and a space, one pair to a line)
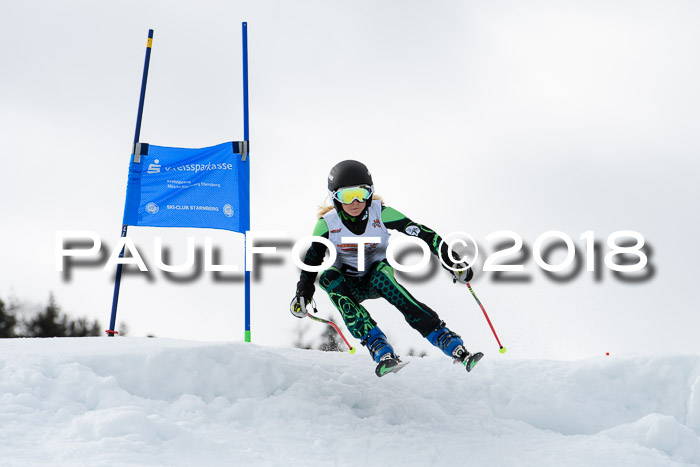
128, 401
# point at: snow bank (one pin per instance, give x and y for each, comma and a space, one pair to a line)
124, 401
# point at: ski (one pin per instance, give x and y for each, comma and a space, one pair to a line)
471, 362
389, 365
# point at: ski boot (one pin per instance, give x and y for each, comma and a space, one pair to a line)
453, 346
382, 352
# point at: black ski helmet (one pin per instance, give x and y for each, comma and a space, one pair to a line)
348, 173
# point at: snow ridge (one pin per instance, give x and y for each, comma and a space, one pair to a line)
128, 401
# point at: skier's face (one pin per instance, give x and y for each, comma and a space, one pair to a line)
355, 208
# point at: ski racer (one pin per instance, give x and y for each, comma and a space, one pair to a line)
356, 213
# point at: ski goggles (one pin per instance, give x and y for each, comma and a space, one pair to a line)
350, 194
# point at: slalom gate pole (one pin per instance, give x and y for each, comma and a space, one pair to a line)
137, 134
501, 348
351, 349
246, 136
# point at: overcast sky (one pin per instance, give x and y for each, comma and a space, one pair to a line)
472, 116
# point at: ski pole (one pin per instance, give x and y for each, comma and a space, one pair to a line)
501, 349
351, 349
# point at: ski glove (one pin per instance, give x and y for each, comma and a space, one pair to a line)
305, 288
462, 276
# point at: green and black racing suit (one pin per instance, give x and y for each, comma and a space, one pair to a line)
348, 291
